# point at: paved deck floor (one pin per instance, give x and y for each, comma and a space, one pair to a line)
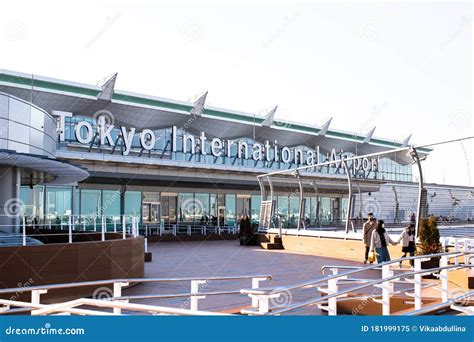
226, 258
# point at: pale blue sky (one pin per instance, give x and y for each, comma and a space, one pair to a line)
405, 68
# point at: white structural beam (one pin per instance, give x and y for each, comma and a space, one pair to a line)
324, 129
269, 117
108, 88
405, 141
369, 135
199, 105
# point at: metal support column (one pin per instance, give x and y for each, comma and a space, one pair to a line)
416, 159
349, 202
300, 204
271, 200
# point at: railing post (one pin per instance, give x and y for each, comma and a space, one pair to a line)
332, 302
83, 224
117, 294
115, 226
456, 249
24, 231
146, 245
444, 278
387, 289
102, 226
255, 285
95, 223
332, 288
35, 295
189, 230
417, 284
174, 229
124, 232
194, 290
70, 229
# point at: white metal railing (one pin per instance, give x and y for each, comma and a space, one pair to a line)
73, 225
264, 295
118, 302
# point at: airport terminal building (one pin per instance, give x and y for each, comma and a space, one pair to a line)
91, 151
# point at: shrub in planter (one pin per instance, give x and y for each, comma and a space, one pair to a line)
429, 241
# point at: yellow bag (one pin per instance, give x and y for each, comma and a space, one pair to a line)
371, 257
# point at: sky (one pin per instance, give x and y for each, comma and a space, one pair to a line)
405, 68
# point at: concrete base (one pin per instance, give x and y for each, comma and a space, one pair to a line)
148, 257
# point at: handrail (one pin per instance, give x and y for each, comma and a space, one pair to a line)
175, 295
439, 306
267, 290
60, 307
129, 280
360, 287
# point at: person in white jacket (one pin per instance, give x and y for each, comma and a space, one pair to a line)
379, 242
407, 237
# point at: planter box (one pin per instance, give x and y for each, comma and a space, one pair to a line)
426, 265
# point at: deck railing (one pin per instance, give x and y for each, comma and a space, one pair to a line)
264, 296
118, 302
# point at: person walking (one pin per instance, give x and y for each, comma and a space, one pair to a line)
367, 230
379, 242
408, 242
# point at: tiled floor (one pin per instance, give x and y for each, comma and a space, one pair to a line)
225, 258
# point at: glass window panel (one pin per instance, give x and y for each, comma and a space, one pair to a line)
230, 209
133, 203
202, 211
255, 210
186, 205
90, 202
58, 202
111, 202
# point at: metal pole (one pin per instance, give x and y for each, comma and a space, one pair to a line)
272, 209
103, 228
349, 202
70, 230
262, 189
417, 285
300, 207
416, 159
124, 236
24, 231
